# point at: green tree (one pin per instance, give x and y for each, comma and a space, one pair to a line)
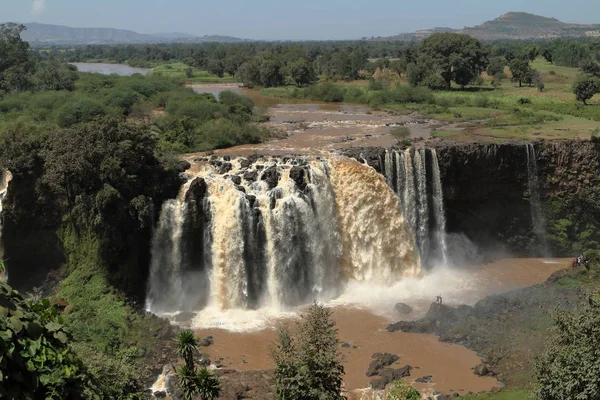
402, 391
187, 346
270, 73
15, 62
548, 54
520, 70
496, 66
456, 57
194, 383
308, 366
569, 367
249, 73
399, 66
591, 67
216, 67
415, 74
585, 87
209, 386
302, 72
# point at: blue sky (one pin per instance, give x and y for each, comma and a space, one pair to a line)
285, 19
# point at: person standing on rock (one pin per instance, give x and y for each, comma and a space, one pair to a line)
438, 299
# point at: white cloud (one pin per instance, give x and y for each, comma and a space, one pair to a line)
38, 7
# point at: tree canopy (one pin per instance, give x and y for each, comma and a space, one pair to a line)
308, 365
456, 57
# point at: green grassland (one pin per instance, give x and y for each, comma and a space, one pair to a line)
479, 112
178, 72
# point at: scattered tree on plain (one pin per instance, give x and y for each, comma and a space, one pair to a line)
455, 57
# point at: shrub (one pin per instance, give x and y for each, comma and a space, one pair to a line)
434, 82
402, 391
400, 132
37, 361
375, 84
568, 367
524, 100
80, 111
481, 101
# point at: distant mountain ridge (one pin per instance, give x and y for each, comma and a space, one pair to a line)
513, 25
37, 33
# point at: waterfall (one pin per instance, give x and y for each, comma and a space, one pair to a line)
275, 233
537, 216
438, 207
5, 179
414, 175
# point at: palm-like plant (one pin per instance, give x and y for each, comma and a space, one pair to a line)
186, 347
187, 378
209, 386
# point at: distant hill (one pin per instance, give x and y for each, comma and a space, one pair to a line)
55, 34
513, 25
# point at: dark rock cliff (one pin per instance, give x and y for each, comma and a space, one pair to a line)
487, 199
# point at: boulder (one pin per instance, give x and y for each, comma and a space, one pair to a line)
251, 175
403, 308
380, 361
224, 168
207, 341
389, 375
425, 379
271, 175
236, 179
483, 370
300, 176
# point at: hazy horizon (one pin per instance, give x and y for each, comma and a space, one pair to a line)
268, 20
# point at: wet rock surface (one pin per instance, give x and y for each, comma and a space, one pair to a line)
389, 375
380, 361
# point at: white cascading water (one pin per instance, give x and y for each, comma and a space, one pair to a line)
5, 178
414, 174
276, 233
537, 215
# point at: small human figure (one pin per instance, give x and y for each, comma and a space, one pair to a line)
438, 299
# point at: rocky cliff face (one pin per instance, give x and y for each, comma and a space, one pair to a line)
487, 199
486, 194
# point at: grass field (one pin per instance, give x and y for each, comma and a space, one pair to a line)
179, 71
507, 113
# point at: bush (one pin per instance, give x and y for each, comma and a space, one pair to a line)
524, 100
80, 111
400, 132
434, 82
375, 84
37, 361
481, 101
568, 367
402, 391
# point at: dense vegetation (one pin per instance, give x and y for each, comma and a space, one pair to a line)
37, 360
308, 364
568, 368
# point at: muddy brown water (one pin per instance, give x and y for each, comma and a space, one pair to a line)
313, 127
363, 324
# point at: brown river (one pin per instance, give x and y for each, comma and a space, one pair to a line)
363, 312
314, 127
